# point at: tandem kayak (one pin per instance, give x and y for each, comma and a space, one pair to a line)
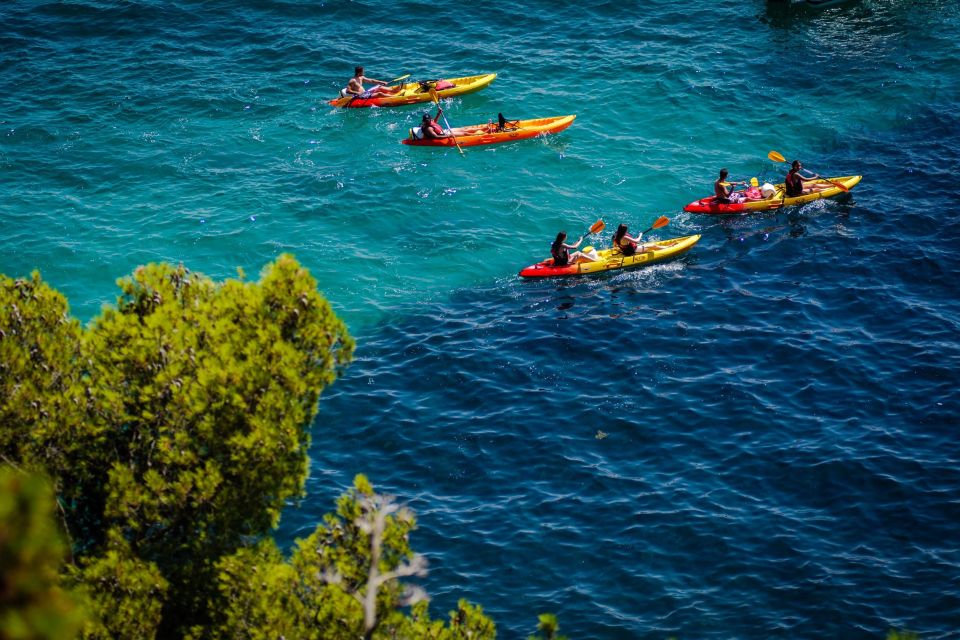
491, 133
710, 205
611, 259
414, 92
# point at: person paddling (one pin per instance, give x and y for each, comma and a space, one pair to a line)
794, 184
725, 196
431, 128
628, 245
561, 252
355, 87
625, 242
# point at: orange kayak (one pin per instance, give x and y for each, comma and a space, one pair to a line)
490, 134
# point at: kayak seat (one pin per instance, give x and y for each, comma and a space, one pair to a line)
506, 125
439, 85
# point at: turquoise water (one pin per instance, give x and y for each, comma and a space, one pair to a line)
780, 403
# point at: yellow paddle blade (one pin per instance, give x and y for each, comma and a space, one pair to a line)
434, 96
597, 226
776, 157
662, 221
398, 79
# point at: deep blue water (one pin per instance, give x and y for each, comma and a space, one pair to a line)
780, 405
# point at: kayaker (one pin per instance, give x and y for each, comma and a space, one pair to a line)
623, 241
723, 195
431, 128
561, 252
355, 86
794, 184
628, 245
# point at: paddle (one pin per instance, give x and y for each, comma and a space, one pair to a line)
399, 79
596, 227
662, 221
436, 101
776, 157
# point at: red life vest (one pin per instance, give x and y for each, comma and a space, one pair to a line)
627, 249
433, 127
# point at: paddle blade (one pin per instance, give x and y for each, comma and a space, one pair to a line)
400, 78
434, 96
597, 226
839, 185
776, 157
662, 221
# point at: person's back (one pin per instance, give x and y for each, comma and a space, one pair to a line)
623, 242
559, 252
793, 185
720, 191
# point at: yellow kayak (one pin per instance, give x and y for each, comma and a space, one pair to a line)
610, 259
414, 92
775, 201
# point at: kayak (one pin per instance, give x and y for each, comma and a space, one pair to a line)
611, 259
489, 134
414, 92
777, 200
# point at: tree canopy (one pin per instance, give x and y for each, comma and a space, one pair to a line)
174, 429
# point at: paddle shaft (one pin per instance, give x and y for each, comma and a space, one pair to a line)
436, 99
447, 122
778, 157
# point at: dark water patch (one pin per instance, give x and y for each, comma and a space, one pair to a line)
714, 456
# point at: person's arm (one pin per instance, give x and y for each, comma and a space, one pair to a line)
575, 245
380, 82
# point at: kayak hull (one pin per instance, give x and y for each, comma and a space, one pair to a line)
612, 260
414, 93
480, 134
711, 206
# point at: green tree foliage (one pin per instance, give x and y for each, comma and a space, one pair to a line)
177, 422
32, 603
175, 428
207, 392
902, 634
354, 559
122, 594
39, 353
548, 628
